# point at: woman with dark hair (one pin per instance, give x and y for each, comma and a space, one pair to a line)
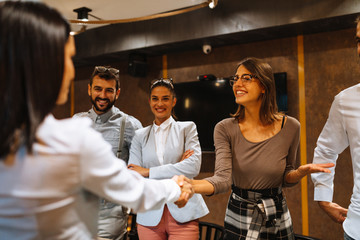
52, 171
256, 153
160, 151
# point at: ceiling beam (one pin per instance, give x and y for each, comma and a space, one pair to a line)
232, 21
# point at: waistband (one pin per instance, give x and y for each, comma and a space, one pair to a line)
249, 193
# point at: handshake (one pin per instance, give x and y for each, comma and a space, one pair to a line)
187, 190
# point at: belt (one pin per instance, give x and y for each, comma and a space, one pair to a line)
266, 202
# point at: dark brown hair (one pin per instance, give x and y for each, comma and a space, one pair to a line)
32, 47
264, 74
164, 82
107, 74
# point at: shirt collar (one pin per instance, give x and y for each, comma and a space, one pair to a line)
164, 125
102, 118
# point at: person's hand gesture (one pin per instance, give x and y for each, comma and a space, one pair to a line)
314, 168
335, 211
187, 190
296, 175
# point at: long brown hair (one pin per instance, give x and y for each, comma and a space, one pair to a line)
264, 73
32, 43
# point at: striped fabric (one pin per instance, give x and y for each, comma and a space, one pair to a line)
257, 214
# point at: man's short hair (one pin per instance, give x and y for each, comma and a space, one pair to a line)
107, 73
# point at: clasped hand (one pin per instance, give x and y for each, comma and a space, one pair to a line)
187, 190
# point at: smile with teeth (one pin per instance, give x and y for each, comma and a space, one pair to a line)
102, 102
240, 93
160, 109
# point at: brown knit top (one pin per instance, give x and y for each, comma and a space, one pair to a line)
253, 165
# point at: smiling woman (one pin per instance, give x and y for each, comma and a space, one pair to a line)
162, 100
160, 151
256, 156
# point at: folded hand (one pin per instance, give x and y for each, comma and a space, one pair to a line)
143, 171
186, 154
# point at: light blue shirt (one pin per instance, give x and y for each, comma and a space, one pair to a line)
341, 130
112, 219
108, 124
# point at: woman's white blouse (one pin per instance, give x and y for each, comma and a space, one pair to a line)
53, 193
161, 132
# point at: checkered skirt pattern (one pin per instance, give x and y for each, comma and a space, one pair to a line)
257, 214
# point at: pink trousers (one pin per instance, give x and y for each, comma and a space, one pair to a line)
169, 229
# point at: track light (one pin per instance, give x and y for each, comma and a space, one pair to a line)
213, 3
83, 13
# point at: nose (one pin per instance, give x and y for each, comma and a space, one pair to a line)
239, 82
160, 102
102, 94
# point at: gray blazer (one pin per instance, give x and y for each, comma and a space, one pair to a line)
182, 136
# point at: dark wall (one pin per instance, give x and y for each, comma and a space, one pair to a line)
331, 64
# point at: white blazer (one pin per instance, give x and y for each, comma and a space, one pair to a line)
182, 136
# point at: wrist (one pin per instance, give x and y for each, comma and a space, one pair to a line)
324, 204
293, 176
300, 174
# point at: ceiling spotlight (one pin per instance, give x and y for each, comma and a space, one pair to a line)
83, 29
83, 13
213, 3
207, 48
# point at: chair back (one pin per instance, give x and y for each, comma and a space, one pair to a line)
210, 231
302, 237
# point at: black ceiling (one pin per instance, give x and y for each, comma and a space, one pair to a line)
231, 22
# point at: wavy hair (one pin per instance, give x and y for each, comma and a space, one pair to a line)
264, 73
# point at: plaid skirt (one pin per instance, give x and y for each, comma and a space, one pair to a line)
257, 214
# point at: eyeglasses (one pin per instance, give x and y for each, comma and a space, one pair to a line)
102, 69
167, 81
245, 79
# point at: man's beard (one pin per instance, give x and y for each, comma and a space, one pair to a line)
108, 107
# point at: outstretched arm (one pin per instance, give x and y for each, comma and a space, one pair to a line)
201, 186
335, 211
296, 175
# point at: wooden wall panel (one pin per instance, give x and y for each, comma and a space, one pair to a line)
331, 64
